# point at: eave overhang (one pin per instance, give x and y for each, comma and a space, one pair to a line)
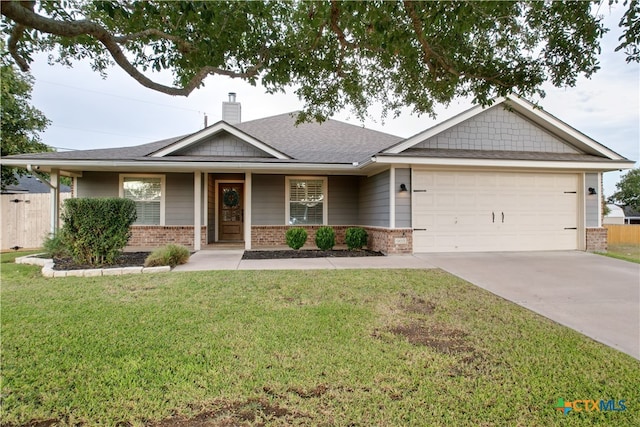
602, 166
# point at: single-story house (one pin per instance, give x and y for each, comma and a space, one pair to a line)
615, 216
30, 184
631, 215
509, 177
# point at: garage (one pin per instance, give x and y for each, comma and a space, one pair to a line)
477, 211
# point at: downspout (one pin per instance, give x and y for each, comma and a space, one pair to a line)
54, 191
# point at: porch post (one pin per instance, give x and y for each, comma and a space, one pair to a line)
197, 209
392, 197
247, 210
55, 199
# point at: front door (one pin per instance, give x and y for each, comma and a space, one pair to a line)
230, 211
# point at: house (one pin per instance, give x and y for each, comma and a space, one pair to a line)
509, 177
30, 184
631, 215
614, 216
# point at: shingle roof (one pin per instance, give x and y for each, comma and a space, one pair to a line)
329, 142
31, 184
493, 154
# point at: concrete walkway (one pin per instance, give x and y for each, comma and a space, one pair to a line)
212, 259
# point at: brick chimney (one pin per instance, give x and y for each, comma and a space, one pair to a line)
231, 110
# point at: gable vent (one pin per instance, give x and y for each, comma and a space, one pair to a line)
231, 110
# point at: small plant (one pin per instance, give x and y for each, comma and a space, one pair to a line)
325, 238
356, 238
171, 255
296, 237
54, 246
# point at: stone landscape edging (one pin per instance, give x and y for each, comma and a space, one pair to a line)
48, 271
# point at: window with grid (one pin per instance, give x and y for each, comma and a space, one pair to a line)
146, 192
306, 200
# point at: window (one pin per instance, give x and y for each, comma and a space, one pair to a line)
148, 193
306, 200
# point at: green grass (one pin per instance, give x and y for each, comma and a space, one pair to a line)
627, 252
294, 348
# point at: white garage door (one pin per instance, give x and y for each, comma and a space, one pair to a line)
485, 211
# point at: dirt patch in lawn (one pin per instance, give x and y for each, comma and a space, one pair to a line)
308, 253
254, 412
126, 259
417, 305
439, 337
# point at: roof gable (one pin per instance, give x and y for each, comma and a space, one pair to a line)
200, 138
526, 123
223, 144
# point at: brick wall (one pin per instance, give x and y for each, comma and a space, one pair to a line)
153, 236
380, 239
596, 239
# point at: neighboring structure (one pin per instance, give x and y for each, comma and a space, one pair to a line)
615, 215
32, 185
25, 210
505, 178
631, 216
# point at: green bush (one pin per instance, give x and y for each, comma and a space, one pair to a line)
296, 237
168, 255
356, 238
325, 238
55, 247
96, 229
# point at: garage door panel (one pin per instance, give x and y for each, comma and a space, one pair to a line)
493, 211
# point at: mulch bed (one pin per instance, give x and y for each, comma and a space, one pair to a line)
126, 259
311, 253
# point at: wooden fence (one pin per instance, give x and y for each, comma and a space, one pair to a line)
628, 233
26, 219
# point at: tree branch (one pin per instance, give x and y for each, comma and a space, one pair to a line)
23, 17
183, 45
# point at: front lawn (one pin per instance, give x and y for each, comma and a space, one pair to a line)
627, 252
336, 347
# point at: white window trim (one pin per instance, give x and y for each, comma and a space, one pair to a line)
163, 193
287, 196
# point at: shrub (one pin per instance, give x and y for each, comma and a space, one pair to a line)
95, 230
54, 246
325, 238
356, 238
296, 237
168, 255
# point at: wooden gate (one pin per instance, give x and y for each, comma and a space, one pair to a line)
26, 219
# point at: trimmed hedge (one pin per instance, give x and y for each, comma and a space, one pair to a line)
356, 238
96, 229
296, 237
325, 238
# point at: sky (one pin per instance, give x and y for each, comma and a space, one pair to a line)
88, 112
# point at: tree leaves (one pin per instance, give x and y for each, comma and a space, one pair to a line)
335, 54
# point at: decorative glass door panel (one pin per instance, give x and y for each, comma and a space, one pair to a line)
230, 211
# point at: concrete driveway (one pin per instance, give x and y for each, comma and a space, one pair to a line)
595, 295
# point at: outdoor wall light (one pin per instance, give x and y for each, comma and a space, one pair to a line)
592, 191
403, 188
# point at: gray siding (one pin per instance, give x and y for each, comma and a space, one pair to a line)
498, 129
374, 200
99, 184
591, 202
403, 199
179, 199
223, 144
268, 204
343, 200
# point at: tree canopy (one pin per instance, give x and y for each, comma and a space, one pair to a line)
20, 122
334, 54
628, 193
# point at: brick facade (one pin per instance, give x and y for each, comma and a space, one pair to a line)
156, 235
380, 239
596, 239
